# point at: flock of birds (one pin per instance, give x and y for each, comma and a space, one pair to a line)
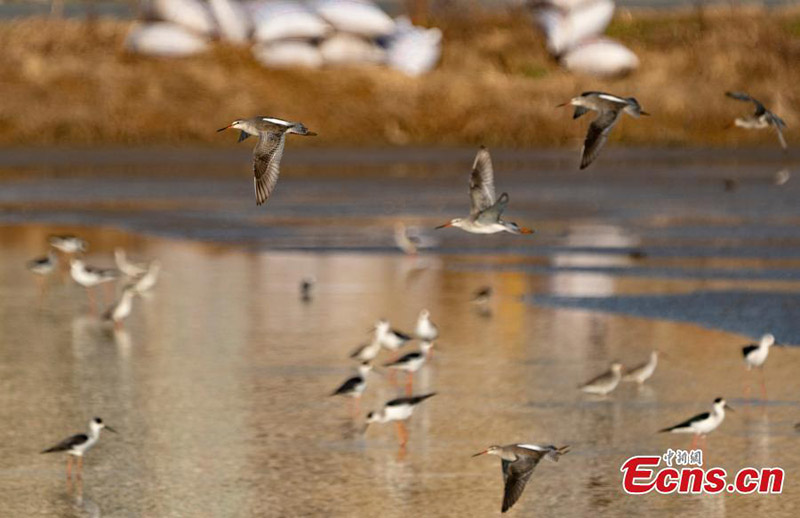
485, 217
486, 210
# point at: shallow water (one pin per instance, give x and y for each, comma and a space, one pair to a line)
218, 383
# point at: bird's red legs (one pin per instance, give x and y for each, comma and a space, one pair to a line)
109, 293
79, 470
409, 381
694, 442
402, 433
91, 301
69, 467
118, 325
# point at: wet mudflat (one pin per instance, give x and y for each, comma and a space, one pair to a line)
218, 384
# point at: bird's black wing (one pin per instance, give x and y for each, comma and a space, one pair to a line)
747, 349
403, 359
516, 474
348, 386
413, 400
68, 443
688, 422
266, 163
401, 335
741, 96
597, 135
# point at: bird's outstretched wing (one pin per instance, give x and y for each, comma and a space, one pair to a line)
516, 476
481, 183
741, 96
778, 124
266, 164
68, 443
597, 135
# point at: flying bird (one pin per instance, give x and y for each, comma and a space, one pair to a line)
518, 462
271, 133
609, 108
486, 212
760, 119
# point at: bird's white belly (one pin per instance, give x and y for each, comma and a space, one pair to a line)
707, 425
399, 413
492, 228
757, 357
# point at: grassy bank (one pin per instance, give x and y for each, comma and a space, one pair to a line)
70, 82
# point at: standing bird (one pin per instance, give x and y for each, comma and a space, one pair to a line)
411, 363
761, 118
42, 267
397, 410
604, 383
271, 133
89, 276
609, 108
79, 444
306, 287
132, 270
702, 424
755, 355
121, 309
518, 462
390, 338
426, 330
354, 386
642, 372
367, 352
485, 215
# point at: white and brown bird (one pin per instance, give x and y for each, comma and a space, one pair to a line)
604, 383
486, 212
517, 462
609, 107
642, 372
128, 268
77, 445
121, 309
760, 119
271, 133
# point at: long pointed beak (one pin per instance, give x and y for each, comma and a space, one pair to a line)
484, 452
448, 224
524, 230
311, 134
644, 113
364, 430
561, 105
110, 429
728, 407
223, 129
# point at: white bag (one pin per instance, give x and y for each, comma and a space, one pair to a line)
286, 20
360, 17
191, 14
232, 19
287, 54
164, 39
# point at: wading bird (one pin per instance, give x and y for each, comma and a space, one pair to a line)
642, 372
517, 462
604, 383
702, 424
609, 108
426, 329
89, 276
397, 410
411, 363
485, 215
760, 119
121, 309
355, 386
755, 355
271, 133
79, 444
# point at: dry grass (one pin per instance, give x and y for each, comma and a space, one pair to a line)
70, 82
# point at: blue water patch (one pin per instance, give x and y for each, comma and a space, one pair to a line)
749, 313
